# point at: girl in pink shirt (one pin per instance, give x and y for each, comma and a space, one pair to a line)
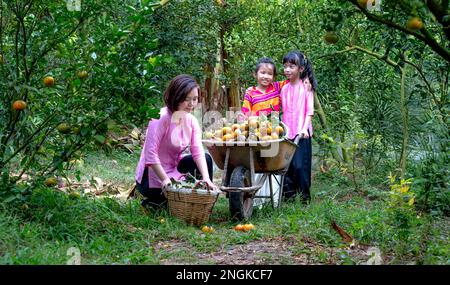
297, 104
165, 141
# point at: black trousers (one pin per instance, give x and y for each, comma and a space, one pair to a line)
298, 177
154, 196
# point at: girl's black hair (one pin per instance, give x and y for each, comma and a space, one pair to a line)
299, 59
266, 60
178, 89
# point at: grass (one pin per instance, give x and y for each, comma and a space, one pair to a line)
107, 231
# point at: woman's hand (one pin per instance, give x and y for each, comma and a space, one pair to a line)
304, 134
211, 185
165, 185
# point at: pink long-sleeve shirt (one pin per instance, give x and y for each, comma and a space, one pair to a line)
165, 141
297, 102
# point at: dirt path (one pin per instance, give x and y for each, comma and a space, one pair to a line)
261, 252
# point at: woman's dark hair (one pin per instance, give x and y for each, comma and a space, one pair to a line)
266, 60
299, 59
178, 89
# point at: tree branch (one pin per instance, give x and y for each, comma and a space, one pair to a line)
430, 89
425, 36
440, 11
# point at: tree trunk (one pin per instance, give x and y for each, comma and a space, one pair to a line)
233, 95
404, 110
323, 122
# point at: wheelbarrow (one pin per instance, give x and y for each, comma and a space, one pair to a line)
240, 160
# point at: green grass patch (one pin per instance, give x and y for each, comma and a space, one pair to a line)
107, 231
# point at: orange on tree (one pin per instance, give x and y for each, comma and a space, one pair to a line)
331, 37
76, 130
362, 3
414, 23
49, 81
82, 74
19, 105
64, 128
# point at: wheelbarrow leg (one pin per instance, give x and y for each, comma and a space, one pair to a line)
225, 167
252, 167
271, 191
280, 192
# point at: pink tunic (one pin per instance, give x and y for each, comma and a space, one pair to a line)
165, 141
297, 102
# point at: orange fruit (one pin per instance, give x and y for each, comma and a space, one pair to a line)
50, 182
239, 227
19, 105
414, 23
49, 81
253, 123
266, 138
362, 3
331, 37
244, 127
208, 135
218, 134
235, 127
63, 128
263, 130
226, 130
82, 74
207, 229
74, 195
228, 137
248, 227
279, 130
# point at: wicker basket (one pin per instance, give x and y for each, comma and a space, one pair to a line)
194, 206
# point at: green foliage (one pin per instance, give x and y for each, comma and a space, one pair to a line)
108, 42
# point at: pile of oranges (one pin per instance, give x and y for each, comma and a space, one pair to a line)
244, 228
208, 229
251, 129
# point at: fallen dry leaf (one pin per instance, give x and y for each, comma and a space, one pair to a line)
347, 238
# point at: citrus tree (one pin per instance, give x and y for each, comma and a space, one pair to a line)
67, 72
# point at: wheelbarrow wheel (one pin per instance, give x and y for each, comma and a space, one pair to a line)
241, 203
